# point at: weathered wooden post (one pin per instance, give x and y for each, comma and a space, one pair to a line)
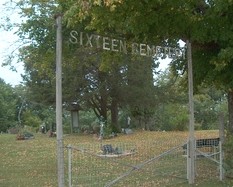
59, 130
191, 142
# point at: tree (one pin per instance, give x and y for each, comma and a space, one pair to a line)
171, 112
140, 90
91, 77
209, 104
8, 105
207, 24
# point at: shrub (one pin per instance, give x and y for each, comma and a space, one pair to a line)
228, 152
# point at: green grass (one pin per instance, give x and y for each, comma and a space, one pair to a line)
33, 162
27, 162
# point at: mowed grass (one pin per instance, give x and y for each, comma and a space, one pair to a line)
33, 162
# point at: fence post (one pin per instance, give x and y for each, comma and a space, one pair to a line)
221, 171
70, 165
59, 129
222, 138
187, 154
191, 156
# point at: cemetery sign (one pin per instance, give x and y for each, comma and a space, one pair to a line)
120, 45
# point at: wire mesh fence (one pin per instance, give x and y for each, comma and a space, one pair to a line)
154, 159
209, 157
127, 164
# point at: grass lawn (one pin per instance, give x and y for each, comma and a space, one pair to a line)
33, 162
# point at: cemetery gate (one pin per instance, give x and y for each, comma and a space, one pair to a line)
145, 164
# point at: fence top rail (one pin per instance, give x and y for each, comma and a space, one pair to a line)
205, 142
209, 142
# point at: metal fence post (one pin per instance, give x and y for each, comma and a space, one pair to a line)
221, 171
70, 165
187, 154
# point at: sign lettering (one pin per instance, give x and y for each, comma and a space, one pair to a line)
119, 45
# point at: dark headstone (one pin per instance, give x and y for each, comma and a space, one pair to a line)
108, 149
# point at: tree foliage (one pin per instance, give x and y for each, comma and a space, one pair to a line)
8, 107
88, 75
91, 77
207, 24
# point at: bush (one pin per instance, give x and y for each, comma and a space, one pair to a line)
228, 152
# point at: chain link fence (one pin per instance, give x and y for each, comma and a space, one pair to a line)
148, 163
126, 164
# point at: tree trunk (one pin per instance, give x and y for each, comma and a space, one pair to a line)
114, 116
103, 111
230, 111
